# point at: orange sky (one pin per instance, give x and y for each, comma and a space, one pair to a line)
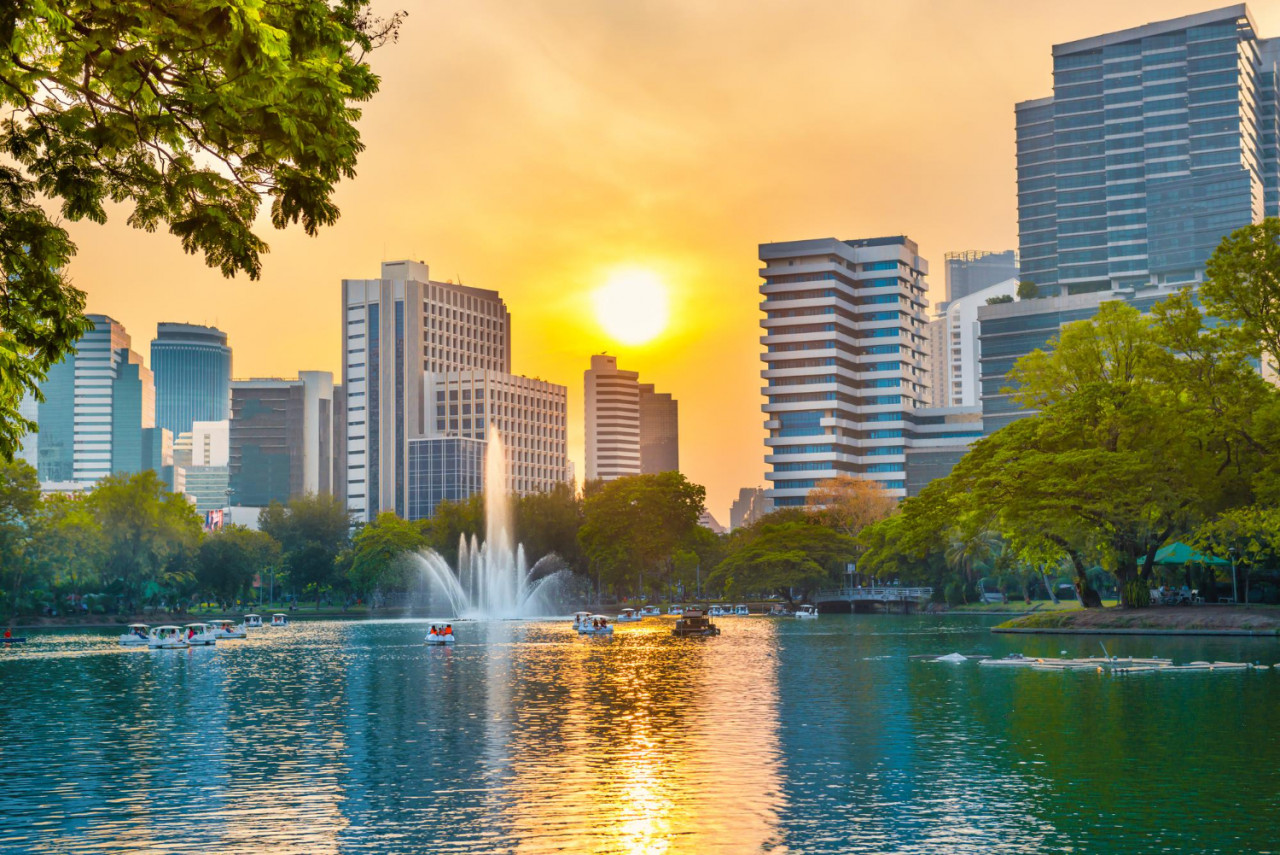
529, 146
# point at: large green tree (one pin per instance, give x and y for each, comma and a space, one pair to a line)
193, 111
312, 530
633, 526
378, 551
789, 559
19, 498
68, 545
230, 558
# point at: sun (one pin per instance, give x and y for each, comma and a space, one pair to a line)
632, 306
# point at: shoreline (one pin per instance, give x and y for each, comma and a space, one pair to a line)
1245, 621
1246, 633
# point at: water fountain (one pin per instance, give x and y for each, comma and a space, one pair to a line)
492, 579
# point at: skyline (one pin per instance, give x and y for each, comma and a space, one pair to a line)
666, 149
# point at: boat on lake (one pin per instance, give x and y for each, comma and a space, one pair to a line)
252, 622
651, 611
279, 619
676, 610
694, 623
223, 629
807, 611
438, 635
136, 636
200, 635
628, 616
716, 611
741, 610
596, 625
167, 638
580, 619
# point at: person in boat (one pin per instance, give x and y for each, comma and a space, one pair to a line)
140, 633
432, 631
8, 633
448, 630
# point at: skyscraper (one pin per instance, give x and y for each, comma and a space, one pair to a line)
387, 323
192, 367
612, 415
844, 360
659, 431
1158, 141
281, 438
98, 416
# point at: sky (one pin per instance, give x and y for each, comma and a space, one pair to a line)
535, 147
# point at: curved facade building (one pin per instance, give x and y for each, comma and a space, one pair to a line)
192, 367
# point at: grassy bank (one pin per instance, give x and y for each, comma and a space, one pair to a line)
1017, 607
1194, 619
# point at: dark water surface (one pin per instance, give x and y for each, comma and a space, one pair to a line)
778, 736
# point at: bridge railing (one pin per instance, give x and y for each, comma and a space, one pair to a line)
887, 594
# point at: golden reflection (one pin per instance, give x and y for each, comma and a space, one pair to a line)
658, 743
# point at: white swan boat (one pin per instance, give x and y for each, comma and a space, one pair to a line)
167, 638
741, 610
651, 611
596, 625
279, 619
807, 611
719, 611
252, 622
136, 636
439, 635
628, 616
581, 619
200, 634
228, 629
676, 610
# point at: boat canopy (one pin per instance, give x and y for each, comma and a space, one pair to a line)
138, 626
251, 616
279, 614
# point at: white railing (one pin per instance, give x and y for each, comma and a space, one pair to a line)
889, 594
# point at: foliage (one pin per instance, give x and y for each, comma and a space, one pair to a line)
1028, 290
19, 497
1242, 286
452, 522
633, 526
848, 504
193, 110
149, 533
784, 558
1003, 298
312, 530
547, 523
229, 559
68, 546
376, 558
1247, 536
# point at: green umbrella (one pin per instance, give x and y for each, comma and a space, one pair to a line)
1180, 553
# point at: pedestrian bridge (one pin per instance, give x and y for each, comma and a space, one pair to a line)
859, 599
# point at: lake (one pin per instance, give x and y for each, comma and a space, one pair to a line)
778, 736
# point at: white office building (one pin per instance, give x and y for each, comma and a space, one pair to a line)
612, 410
956, 350
844, 361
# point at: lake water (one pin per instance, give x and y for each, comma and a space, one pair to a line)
778, 736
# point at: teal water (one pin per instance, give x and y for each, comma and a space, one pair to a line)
778, 736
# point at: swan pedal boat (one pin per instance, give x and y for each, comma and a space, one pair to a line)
434, 639
226, 629
807, 612
136, 636
651, 611
628, 616
252, 622
167, 638
596, 625
200, 635
279, 619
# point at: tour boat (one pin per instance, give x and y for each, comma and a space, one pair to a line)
676, 610
200, 634
227, 629
628, 616
440, 635
778, 610
807, 611
136, 636
651, 611
693, 623
252, 622
714, 611
741, 611
167, 638
596, 625
278, 619
581, 619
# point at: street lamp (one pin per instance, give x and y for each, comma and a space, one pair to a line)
1235, 591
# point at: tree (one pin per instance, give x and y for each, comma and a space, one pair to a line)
312, 530
785, 559
1249, 537
149, 533
1028, 290
547, 523
230, 558
19, 498
453, 521
378, 552
193, 110
1003, 298
849, 504
1242, 286
634, 525
67, 543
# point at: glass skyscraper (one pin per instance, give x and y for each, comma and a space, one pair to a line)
1157, 142
192, 367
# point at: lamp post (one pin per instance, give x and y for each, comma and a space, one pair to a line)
1235, 591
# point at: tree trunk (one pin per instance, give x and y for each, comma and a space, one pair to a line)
1134, 591
1085, 592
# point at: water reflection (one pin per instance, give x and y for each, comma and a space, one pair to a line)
777, 736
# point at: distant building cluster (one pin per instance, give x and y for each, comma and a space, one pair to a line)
630, 428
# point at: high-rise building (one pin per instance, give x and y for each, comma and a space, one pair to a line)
659, 431
751, 505
954, 369
387, 323
98, 416
973, 270
1157, 142
207, 473
612, 414
192, 366
844, 360
280, 438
